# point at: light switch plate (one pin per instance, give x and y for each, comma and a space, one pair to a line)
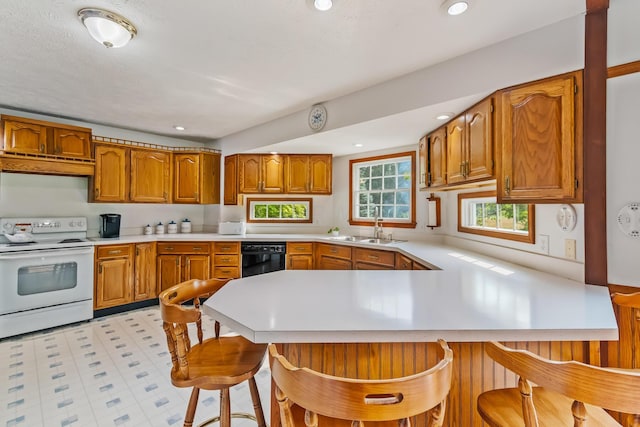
543, 241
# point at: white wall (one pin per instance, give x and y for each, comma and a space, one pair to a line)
48, 195
623, 147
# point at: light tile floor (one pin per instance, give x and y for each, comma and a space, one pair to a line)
112, 371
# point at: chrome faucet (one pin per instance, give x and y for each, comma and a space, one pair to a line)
377, 228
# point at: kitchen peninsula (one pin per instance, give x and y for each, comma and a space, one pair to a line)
381, 324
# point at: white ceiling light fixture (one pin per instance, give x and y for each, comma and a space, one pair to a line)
455, 7
323, 5
107, 28
178, 127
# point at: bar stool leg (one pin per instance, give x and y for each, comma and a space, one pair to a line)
257, 405
191, 409
225, 408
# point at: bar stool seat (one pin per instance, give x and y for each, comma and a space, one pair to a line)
216, 363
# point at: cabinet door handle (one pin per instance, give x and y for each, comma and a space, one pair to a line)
333, 250
299, 248
507, 185
42, 148
429, 178
373, 257
115, 251
164, 195
97, 192
462, 169
195, 195
168, 248
100, 269
177, 261
225, 259
137, 252
197, 248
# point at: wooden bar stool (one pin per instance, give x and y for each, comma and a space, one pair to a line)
358, 400
568, 393
628, 315
213, 364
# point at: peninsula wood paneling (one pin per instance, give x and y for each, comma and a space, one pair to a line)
473, 371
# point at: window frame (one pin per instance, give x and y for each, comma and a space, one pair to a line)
499, 234
281, 201
411, 223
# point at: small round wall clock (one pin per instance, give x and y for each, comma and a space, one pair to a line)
317, 117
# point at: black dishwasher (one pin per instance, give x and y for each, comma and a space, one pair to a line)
262, 257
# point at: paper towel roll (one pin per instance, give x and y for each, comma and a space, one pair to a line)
432, 220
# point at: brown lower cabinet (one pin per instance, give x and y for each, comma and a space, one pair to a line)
332, 257
180, 261
124, 273
226, 260
299, 256
372, 259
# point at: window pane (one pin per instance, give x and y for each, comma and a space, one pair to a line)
479, 216
273, 211
402, 212
363, 211
376, 183
260, 211
387, 212
364, 172
507, 221
404, 168
389, 169
364, 184
388, 198
287, 211
404, 181
402, 197
374, 198
363, 198
390, 183
376, 170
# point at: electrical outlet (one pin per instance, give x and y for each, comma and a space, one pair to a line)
570, 248
543, 240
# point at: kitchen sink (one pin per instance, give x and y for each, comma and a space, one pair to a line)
362, 239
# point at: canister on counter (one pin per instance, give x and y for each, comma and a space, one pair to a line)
185, 226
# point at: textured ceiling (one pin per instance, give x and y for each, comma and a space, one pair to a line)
221, 66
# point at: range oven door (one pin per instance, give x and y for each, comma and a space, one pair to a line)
43, 278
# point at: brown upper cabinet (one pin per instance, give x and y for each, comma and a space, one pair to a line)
261, 173
307, 174
276, 174
130, 174
470, 144
37, 137
196, 178
437, 153
110, 182
150, 176
423, 159
540, 140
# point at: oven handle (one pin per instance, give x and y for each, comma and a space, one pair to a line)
55, 252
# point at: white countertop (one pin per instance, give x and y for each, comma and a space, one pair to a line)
461, 305
469, 297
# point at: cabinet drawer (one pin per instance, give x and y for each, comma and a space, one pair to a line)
113, 251
226, 247
226, 260
299, 247
226, 272
335, 251
183, 248
373, 256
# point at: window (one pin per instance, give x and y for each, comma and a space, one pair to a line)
478, 213
279, 210
384, 185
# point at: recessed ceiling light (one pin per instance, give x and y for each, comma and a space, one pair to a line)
358, 145
456, 7
444, 116
178, 127
323, 5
